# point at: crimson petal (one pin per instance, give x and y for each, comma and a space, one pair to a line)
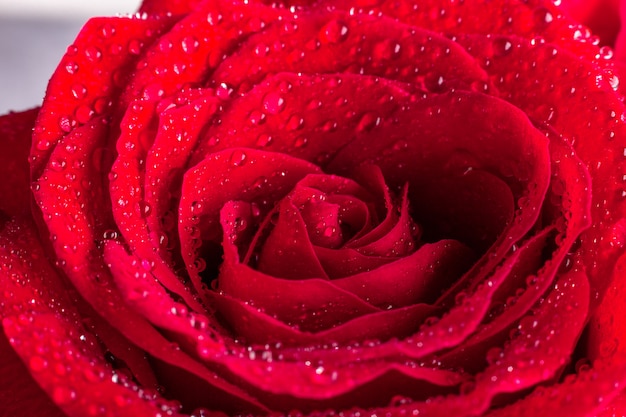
288, 252
40, 322
341, 42
317, 114
419, 277
15, 139
593, 115
20, 395
256, 326
88, 78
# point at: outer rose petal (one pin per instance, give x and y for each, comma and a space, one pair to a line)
44, 328
87, 80
20, 395
15, 134
607, 331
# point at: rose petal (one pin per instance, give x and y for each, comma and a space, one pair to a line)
341, 42
514, 368
373, 179
125, 188
527, 19
165, 160
15, 138
20, 395
40, 321
326, 110
177, 54
304, 297
88, 78
585, 395
288, 252
589, 113
256, 326
607, 330
419, 277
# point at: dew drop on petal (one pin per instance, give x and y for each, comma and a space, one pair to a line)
238, 158
334, 31
223, 91
368, 122
143, 208
71, 67
257, 117
190, 44
502, 46
38, 364
93, 54
295, 122
386, 50
63, 395
273, 103
79, 90
263, 140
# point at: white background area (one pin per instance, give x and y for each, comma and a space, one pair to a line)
34, 35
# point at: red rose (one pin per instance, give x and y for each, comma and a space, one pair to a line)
334, 207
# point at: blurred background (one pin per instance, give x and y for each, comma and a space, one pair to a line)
34, 35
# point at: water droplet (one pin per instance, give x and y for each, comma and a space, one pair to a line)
107, 30
101, 105
214, 18
238, 158
65, 124
612, 79
58, 164
295, 122
434, 82
63, 395
38, 364
143, 208
153, 91
134, 47
543, 17
78, 91
501, 46
329, 231
257, 184
71, 67
300, 142
368, 122
261, 50
93, 54
83, 114
109, 234
334, 31
199, 265
263, 140
273, 103
257, 117
190, 44
386, 49
605, 52
223, 91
